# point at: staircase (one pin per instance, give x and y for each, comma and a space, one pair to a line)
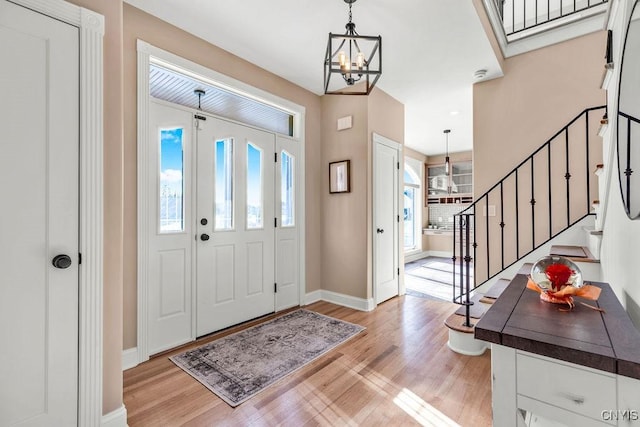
543, 206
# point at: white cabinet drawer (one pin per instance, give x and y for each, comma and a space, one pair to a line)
565, 385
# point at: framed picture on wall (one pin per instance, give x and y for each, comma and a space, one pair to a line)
339, 179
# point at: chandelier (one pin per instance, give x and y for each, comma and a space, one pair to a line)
354, 58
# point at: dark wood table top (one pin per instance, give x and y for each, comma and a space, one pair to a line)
602, 340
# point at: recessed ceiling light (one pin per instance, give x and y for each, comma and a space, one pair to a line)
454, 113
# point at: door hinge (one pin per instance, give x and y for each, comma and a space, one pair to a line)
275, 222
398, 271
79, 258
398, 165
275, 288
398, 218
275, 157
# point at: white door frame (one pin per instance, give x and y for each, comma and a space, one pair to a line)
91, 32
147, 54
379, 139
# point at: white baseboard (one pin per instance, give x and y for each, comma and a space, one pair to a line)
356, 303
129, 358
416, 256
117, 418
312, 297
441, 254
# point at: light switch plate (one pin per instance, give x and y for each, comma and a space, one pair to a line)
345, 122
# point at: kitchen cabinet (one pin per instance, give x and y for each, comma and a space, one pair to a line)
453, 187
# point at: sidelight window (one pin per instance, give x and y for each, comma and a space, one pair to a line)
255, 187
171, 202
224, 184
287, 189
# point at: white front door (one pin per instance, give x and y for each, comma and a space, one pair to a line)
39, 166
385, 218
235, 224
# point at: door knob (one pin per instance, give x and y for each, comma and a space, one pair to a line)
379, 231
204, 237
61, 261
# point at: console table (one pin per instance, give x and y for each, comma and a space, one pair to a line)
578, 368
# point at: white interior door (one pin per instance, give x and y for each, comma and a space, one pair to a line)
235, 224
39, 118
385, 218
170, 228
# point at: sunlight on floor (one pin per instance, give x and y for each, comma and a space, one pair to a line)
421, 411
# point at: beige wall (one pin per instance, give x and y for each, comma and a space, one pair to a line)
346, 240
540, 93
113, 116
344, 237
139, 25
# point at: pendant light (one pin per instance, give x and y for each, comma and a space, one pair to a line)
447, 163
353, 57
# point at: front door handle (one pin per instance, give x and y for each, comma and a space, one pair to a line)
379, 231
204, 237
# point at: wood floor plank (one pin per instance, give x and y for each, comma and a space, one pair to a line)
399, 371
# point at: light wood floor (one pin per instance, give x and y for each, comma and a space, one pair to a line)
399, 372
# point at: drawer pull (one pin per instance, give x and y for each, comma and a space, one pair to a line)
578, 400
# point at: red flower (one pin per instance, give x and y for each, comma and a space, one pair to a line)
559, 275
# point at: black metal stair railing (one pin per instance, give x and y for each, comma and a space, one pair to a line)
522, 15
543, 196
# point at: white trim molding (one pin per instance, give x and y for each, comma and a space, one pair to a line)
414, 256
90, 300
148, 54
361, 304
441, 254
91, 218
117, 418
129, 358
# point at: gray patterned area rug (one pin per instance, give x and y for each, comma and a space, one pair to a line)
239, 366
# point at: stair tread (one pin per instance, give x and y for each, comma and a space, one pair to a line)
526, 268
568, 251
456, 322
477, 310
574, 253
496, 290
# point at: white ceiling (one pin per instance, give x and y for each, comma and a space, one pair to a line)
431, 49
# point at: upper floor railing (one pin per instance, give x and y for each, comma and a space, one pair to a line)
522, 15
